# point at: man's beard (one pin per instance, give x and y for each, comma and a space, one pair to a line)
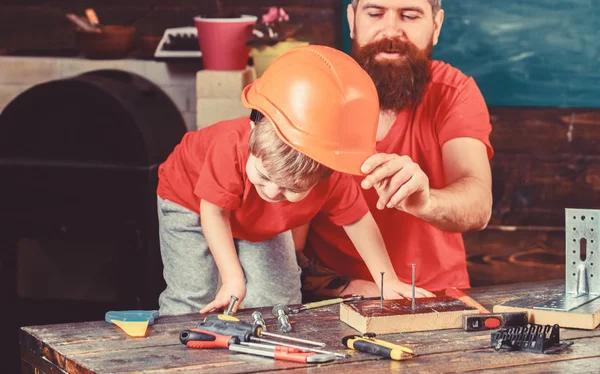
400, 82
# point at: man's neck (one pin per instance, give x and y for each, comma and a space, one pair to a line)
386, 120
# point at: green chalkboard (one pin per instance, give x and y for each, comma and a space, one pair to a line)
540, 53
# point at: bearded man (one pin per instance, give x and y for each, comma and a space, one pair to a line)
431, 178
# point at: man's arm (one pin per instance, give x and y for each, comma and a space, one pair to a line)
465, 203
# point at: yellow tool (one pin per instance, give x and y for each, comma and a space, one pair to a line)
368, 344
319, 304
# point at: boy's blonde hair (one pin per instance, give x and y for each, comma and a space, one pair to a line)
286, 166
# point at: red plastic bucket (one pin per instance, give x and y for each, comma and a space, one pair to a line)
223, 41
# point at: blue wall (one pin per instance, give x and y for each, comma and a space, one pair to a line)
543, 53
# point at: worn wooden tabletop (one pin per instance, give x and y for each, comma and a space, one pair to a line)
98, 347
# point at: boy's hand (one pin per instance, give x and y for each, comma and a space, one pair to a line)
362, 287
235, 287
394, 289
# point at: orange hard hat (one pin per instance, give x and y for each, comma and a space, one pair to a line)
322, 103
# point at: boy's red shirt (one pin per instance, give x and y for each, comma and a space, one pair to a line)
210, 164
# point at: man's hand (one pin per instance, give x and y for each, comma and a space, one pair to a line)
235, 287
399, 182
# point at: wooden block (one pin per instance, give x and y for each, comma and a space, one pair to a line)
585, 317
212, 110
433, 313
223, 84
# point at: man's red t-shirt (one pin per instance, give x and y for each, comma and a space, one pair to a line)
453, 107
210, 164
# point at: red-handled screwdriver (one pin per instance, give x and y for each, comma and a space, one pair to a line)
277, 354
196, 338
271, 347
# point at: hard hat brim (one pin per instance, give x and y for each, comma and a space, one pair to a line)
345, 161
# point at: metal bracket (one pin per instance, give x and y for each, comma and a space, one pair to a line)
582, 246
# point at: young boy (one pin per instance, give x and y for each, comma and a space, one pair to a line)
229, 194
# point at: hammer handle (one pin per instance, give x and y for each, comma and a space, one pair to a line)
468, 300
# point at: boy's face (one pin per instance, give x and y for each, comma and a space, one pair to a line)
269, 190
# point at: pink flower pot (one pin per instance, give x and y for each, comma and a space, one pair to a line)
223, 41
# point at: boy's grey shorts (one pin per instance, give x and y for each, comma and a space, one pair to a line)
271, 270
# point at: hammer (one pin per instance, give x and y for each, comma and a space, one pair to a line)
486, 320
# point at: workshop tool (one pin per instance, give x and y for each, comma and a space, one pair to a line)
319, 304
381, 298
257, 319
229, 311
301, 357
316, 350
202, 339
486, 320
368, 344
577, 305
133, 322
281, 312
492, 321
462, 296
530, 338
413, 287
272, 347
229, 325
205, 339
281, 348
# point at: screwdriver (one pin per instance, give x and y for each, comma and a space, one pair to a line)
229, 327
232, 326
368, 344
202, 339
196, 338
263, 340
282, 353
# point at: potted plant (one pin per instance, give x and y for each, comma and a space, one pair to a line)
271, 37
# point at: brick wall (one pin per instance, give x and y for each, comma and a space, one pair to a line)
17, 74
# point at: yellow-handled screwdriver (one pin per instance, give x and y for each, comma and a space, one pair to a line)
368, 344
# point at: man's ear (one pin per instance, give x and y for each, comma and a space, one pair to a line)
350, 14
252, 124
438, 20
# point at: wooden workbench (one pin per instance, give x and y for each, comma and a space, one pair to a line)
100, 347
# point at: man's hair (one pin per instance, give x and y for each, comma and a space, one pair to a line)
285, 166
436, 5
